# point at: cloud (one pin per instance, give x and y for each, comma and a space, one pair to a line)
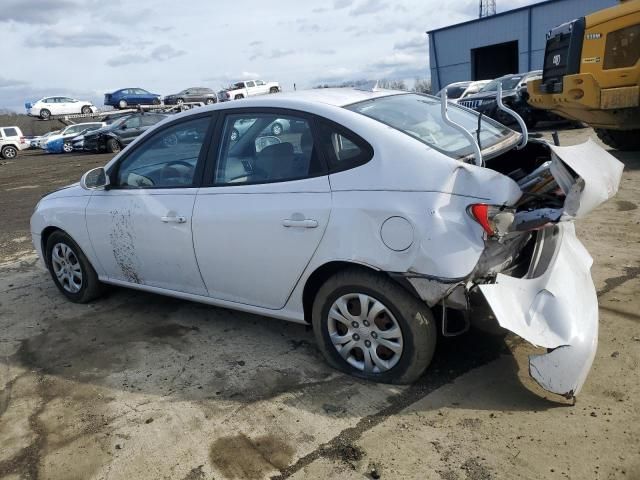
320, 10
35, 12
9, 83
412, 44
161, 53
255, 43
78, 39
368, 7
165, 52
339, 4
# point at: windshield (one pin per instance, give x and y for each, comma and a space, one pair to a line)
508, 83
419, 116
455, 91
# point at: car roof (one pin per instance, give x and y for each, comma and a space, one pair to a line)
338, 97
459, 84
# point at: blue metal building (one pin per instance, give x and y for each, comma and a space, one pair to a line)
508, 42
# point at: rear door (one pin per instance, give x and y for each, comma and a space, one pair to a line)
130, 129
262, 211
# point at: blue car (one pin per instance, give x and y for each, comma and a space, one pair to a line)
126, 97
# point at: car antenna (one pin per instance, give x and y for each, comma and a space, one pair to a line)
523, 126
460, 128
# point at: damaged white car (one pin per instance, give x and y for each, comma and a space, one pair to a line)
378, 210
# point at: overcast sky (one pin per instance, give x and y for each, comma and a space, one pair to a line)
84, 48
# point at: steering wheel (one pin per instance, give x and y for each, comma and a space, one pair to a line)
165, 173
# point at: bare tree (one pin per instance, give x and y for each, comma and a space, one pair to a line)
422, 85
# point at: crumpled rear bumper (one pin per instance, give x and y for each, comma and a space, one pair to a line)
554, 306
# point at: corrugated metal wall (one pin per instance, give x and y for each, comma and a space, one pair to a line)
451, 47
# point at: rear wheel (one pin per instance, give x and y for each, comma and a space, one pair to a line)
368, 326
234, 135
620, 139
122, 104
273, 90
45, 114
276, 129
9, 152
113, 146
86, 110
71, 271
238, 97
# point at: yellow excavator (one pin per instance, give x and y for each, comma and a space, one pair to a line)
591, 74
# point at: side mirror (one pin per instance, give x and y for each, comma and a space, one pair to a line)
95, 179
123, 126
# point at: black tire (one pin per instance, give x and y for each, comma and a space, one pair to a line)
179, 101
67, 148
274, 90
91, 287
413, 317
156, 101
113, 146
210, 101
45, 114
122, 104
238, 97
9, 152
86, 110
622, 140
277, 129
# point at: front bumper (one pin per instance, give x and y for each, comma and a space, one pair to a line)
555, 307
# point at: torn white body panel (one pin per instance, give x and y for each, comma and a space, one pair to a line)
599, 172
553, 306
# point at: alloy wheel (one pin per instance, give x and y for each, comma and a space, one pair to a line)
66, 267
9, 152
365, 333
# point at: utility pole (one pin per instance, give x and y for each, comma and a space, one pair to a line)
487, 8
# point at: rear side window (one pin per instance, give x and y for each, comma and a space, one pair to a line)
343, 149
149, 120
10, 132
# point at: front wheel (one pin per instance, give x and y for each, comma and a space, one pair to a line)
620, 139
368, 326
210, 101
71, 271
67, 148
156, 101
238, 97
276, 129
113, 146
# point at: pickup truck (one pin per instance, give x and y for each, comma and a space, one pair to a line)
248, 88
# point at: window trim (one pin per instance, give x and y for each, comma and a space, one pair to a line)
200, 164
360, 142
216, 144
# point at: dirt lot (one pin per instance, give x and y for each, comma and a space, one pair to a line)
145, 387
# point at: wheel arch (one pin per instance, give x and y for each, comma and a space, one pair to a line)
322, 273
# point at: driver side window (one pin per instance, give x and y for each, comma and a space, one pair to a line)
168, 158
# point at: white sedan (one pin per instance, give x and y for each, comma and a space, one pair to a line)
56, 105
379, 211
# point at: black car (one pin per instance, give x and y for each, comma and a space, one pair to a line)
514, 96
194, 94
115, 136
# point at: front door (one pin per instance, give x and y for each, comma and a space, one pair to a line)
141, 227
260, 221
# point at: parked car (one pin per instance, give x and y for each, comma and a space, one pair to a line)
248, 88
48, 106
63, 142
514, 96
11, 142
276, 128
39, 141
377, 214
193, 94
117, 135
126, 97
459, 90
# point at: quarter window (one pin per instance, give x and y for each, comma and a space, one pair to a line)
167, 159
263, 148
10, 132
343, 149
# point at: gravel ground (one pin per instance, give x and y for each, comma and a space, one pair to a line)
146, 387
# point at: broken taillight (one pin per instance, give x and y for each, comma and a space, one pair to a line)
494, 219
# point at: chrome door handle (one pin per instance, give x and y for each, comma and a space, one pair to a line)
306, 223
175, 218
